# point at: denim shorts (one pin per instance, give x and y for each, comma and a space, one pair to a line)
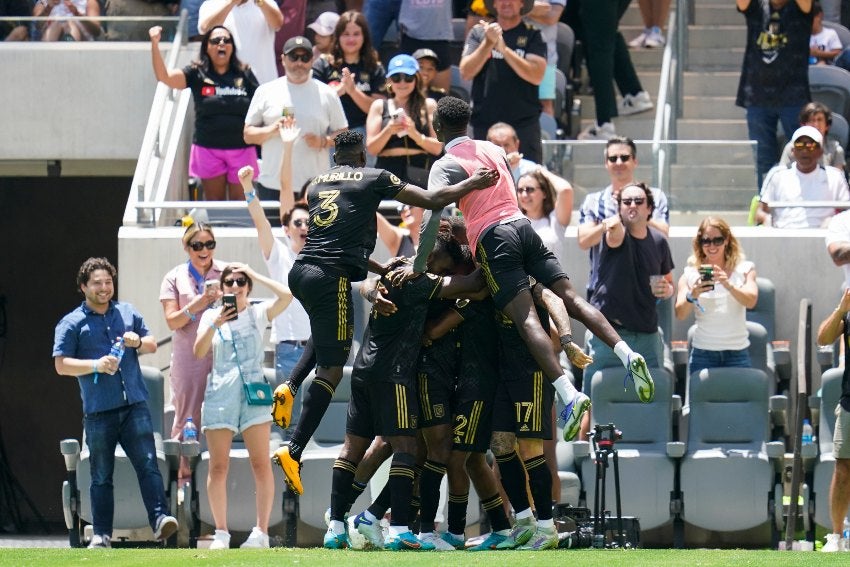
546, 90
228, 409
840, 449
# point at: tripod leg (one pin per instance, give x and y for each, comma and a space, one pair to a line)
620, 535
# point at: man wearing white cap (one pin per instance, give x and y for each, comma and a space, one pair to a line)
805, 180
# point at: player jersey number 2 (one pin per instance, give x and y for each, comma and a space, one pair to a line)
328, 208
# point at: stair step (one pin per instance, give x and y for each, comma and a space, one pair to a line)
711, 83
717, 36
720, 58
719, 129
710, 107
717, 14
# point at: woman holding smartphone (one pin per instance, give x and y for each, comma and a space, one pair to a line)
186, 292
234, 334
718, 285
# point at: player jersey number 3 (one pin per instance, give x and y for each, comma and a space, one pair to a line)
327, 206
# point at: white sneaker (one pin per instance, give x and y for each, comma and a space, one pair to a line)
834, 542
633, 104
100, 541
654, 38
640, 40
221, 540
437, 541
596, 132
257, 539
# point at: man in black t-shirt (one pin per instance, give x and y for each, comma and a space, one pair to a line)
506, 61
340, 239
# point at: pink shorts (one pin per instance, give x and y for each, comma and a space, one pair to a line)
207, 163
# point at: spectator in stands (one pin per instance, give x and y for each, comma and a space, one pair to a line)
635, 271
315, 106
428, 25
719, 301
506, 61
381, 14
838, 243
429, 62
600, 209
818, 115
58, 27
14, 30
654, 14
401, 240
545, 16
608, 61
399, 130
235, 337
192, 8
222, 88
290, 329
549, 209
504, 136
185, 294
804, 181
136, 31
774, 81
253, 24
353, 70
114, 395
824, 45
323, 34
837, 325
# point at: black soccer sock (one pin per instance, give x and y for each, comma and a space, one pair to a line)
458, 503
512, 475
381, 504
341, 478
317, 398
401, 487
495, 509
540, 484
429, 493
354, 492
303, 367
415, 519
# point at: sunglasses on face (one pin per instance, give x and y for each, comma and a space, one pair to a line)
298, 223
221, 40
625, 158
241, 282
806, 146
716, 241
638, 201
304, 57
197, 246
402, 77
526, 190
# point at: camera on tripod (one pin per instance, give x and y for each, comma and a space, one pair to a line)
604, 436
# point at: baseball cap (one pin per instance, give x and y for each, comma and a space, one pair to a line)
809, 132
426, 53
402, 64
297, 42
325, 23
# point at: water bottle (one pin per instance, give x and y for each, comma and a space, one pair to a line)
190, 431
117, 349
807, 432
845, 531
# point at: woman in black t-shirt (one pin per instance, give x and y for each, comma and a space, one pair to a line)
353, 68
222, 88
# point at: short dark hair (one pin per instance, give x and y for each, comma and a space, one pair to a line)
453, 112
228, 271
616, 140
650, 200
816, 8
90, 266
348, 139
811, 109
287, 216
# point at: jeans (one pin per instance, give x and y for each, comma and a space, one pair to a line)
761, 127
379, 15
701, 358
131, 426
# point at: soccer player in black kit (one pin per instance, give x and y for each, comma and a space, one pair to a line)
340, 239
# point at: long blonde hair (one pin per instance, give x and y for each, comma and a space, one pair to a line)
733, 254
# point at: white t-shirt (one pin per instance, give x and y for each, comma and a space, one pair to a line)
553, 234
292, 324
723, 326
317, 110
825, 183
252, 34
839, 231
826, 40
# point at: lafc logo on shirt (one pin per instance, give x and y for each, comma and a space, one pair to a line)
394, 180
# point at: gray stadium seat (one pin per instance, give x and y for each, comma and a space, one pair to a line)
825, 465
565, 41
764, 312
647, 451
830, 85
843, 32
728, 475
839, 130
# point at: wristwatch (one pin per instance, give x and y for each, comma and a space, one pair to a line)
259, 2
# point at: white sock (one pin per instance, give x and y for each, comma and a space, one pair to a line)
527, 513
550, 523
337, 527
396, 531
565, 389
623, 351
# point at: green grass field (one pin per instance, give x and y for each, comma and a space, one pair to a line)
320, 557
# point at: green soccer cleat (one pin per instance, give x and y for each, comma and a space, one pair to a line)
639, 373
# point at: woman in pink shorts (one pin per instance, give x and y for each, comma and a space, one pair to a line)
222, 88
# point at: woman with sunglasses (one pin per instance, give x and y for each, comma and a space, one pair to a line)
186, 292
222, 88
399, 130
548, 210
718, 286
235, 337
353, 68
